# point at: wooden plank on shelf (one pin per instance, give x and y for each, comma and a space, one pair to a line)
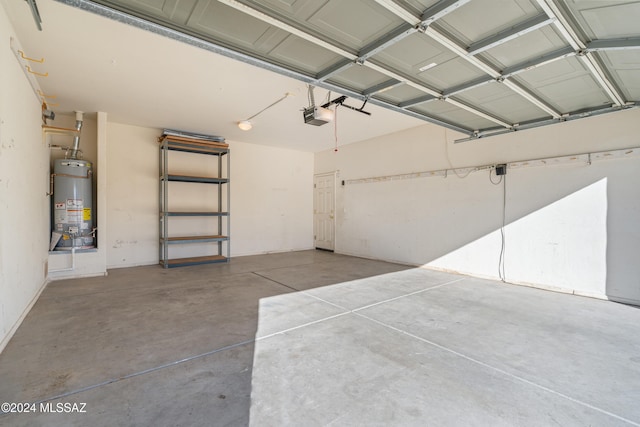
197, 142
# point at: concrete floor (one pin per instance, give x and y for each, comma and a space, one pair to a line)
313, 339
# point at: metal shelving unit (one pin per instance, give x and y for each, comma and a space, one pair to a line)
220, 239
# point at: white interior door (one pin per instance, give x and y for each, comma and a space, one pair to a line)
324, 190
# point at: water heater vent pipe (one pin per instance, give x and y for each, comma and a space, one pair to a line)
76, 138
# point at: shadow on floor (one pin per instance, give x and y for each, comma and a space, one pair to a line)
149, 346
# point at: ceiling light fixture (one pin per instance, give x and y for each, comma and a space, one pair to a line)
247, 125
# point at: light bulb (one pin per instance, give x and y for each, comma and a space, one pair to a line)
245, 125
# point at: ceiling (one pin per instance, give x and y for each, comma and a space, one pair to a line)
478, 67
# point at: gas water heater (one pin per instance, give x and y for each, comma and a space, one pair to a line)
72, 201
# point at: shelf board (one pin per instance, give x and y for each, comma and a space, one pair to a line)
200, 179
211, 141
183, 262
195, 213
198, 149
194, 145
195, 239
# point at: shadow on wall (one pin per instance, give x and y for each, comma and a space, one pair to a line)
623, 231
571, 227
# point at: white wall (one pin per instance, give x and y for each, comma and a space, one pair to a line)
271, 197
132, 194
572, 227
24, 178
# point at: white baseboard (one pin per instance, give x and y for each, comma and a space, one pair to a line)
78, 276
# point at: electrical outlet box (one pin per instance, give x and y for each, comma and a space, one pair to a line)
501, 169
